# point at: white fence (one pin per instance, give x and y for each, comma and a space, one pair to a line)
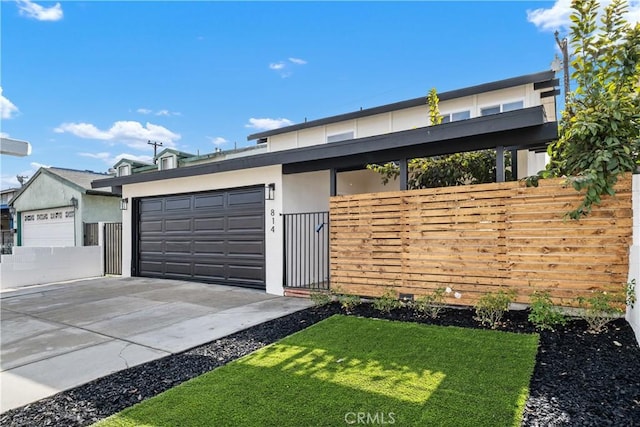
633, 314
35, 266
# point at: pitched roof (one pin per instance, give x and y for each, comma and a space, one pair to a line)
80, 180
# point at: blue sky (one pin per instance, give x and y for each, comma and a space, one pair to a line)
90, 82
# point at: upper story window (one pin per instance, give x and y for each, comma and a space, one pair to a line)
167, 163
501, 108
454, 117
340, 136
124, 170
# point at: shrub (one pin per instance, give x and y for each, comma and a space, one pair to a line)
387, 301
431, 304
543, 314
320, 298
347, 301
490, 307
599, 309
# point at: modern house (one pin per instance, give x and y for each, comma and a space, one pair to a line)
259, 219
51, 208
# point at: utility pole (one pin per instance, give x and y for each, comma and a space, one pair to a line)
562, 44
155, 149
21, 179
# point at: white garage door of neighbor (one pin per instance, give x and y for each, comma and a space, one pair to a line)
48, 227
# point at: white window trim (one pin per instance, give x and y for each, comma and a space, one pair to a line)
174, 162
126, 168
501, 105
451, 113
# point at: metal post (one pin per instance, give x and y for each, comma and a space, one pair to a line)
500, 163
404, 175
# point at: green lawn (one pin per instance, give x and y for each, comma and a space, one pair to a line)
349, 371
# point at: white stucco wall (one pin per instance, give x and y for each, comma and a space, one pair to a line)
219, 181
411, 118
37, 266
633, 314
306, 192
363, 181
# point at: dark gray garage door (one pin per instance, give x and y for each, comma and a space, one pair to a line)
215, 237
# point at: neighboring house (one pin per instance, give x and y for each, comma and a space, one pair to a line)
6, 220
54, 204
230, 220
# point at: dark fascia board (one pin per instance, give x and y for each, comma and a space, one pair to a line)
470, 129
537, 137
543, 76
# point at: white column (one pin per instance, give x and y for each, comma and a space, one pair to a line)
633, 314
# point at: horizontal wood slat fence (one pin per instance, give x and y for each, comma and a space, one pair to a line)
478, 239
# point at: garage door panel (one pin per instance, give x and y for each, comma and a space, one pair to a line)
210, 271
178, 247
209, 201
244, 248
178, 225
216, 247
176, 203
148, 206
151, 226
208, 224
183, 268
216, 237
246, 223
244, 272
246, 197
151, 247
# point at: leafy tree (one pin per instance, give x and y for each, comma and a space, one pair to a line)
443, 171
600, 127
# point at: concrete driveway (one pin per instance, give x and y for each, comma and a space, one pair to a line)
59, 336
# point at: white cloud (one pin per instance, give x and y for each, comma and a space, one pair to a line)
11, 181
218, 140
7, 108
167, 113
268, 124
4, 135
557, 16
131, 133
32, 10
111, 160
283, 68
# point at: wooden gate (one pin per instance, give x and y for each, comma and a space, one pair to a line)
113, 248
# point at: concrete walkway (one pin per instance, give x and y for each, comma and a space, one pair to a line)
59, 336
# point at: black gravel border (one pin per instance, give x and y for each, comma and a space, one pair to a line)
580, 379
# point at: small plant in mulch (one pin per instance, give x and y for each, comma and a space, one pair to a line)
387, 301
320, 298
543, 313
599, 309
491, 307
347, 301
433, 303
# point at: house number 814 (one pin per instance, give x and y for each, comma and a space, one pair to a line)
273, 220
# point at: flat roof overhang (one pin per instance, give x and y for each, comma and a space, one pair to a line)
518, 129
